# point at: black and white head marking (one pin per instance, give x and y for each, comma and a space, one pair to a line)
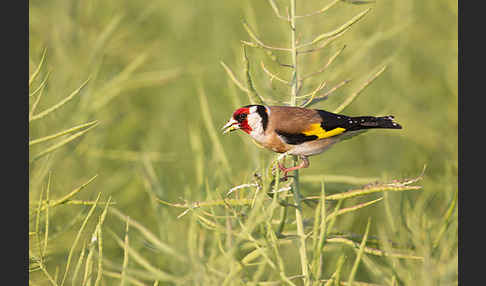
263, 111
258, 120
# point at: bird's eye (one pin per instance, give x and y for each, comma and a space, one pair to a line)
240, 117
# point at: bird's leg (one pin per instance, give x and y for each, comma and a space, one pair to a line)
304, 164
284, 170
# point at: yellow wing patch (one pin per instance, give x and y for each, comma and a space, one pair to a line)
316, 129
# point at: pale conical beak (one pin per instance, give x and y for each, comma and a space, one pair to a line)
230, 126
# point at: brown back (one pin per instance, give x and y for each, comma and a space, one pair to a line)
301, 118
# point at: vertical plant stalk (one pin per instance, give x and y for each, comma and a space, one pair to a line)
293, 102
293, 33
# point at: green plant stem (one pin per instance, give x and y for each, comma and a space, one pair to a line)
293, 33
295, 187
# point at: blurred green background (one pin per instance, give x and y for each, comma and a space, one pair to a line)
152, 65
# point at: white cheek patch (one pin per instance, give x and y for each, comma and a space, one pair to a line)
255, 122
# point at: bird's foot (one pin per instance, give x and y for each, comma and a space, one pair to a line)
282, 169
285, 171
303, 164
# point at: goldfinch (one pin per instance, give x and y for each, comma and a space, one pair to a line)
300, 131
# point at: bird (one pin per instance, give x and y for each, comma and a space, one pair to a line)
300, 131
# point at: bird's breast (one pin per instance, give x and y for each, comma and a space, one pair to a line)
273, 143
312, 147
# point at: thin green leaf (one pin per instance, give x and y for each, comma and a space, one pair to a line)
78, 265
276, 252
342, 28
130, 155
358, 2
62, 143
336, 276
37, 224
46, 234
333, 216
253, 95
149, 235
329, 62
124, 276
337, 179
134, 82
52, 280
367, 191
76, 239
88, 266
447, 220
321, 230
99, 46
40, 89
272, 75
314, 93
356, 93
138, 258
320, 11
374, 251
232, 76
67, 131
99, 236
37, 71
67, 197
110, 90
353, 208
277, 12
259, 43
361, 250
215, 139
60, 103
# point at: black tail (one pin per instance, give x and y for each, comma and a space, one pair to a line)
366, 122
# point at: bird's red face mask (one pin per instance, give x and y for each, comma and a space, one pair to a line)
238, 121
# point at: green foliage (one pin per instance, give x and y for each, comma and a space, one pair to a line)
131, 183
